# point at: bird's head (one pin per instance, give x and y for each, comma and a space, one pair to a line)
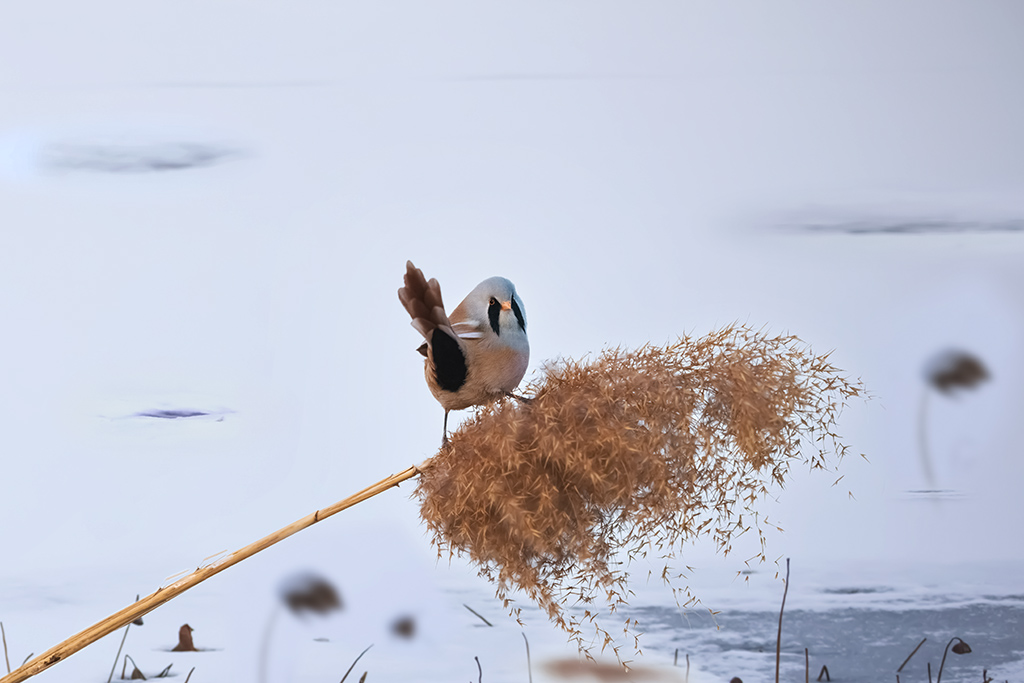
495, 301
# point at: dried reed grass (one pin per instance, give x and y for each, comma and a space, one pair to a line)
630, 453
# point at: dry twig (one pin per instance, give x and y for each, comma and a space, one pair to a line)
354, 662
778, 638
3, 634
477, 614
529, 667
912, 653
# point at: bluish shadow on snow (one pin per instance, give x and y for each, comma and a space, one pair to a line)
933, 494
857, 590
120, 150
180, 413
912, 227
128, 156
171, 414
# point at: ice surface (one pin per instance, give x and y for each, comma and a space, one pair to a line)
207, 209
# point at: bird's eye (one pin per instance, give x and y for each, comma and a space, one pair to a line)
493, 301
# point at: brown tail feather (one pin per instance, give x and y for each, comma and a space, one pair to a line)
422, 300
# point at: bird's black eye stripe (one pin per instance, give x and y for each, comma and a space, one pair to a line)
519, 315
493, 311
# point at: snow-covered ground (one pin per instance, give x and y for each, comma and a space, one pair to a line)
207, 208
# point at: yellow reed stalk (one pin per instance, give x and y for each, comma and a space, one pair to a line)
151, 602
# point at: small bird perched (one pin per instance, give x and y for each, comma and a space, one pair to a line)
480, 352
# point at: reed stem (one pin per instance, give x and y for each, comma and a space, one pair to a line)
778, 638
149, 603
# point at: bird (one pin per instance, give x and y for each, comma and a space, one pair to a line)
476, 355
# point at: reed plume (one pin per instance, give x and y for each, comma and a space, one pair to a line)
629, 453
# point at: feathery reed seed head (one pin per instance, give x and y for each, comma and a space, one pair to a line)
630, 452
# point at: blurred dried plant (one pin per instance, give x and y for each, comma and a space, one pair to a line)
570, 669
404, 627
630, 453
955, 369
302, 593
950, 372
306, 592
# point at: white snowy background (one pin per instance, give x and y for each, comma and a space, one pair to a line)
208, 206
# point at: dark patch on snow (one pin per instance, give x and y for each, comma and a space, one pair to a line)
1004, 598
171, 414
933, 494
856, 590
913, 227
134, 157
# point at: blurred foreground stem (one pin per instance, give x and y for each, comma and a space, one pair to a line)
147, 604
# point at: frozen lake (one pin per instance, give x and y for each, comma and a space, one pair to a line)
860, 631
205, 212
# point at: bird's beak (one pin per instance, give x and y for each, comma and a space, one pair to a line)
506, 305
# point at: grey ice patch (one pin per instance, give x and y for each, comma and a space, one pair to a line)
859, 644
132, 156
913, 227
933, 494
171, 414
180, 413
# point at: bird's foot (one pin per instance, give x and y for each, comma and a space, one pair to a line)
521, 399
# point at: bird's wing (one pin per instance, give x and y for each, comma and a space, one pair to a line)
465, 324
467, 329
449, 360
